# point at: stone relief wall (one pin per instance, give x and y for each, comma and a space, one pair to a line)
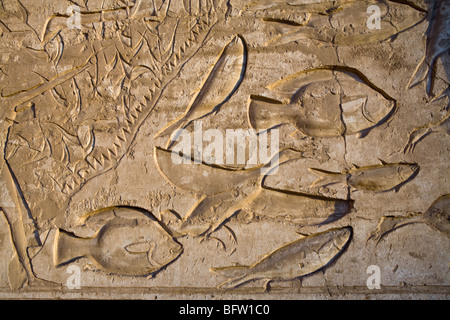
227, 148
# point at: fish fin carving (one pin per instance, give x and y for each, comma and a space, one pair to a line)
325, 178
297, 134
302, 235
355, 166
233, 283
441, 95
16, 273
172, 221
382, 162
231, 272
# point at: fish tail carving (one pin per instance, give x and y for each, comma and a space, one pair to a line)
237, 275
231, 272
326, 178
68, 247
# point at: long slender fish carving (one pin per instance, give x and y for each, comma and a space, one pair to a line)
438, 42
293, 260
377, 178
220, 84
347, 24
437, 216
57, 22
322, 103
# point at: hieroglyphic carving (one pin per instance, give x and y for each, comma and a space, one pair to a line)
126, 56
438, 42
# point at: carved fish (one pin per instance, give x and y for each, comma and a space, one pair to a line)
215, 184
295, 207
131, 242
220, 84
207, 179
322, 103
382, 177
437, 216
438, 42
309, 5
347, 24
293, 260
421, 132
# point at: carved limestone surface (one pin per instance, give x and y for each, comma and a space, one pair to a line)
275, 149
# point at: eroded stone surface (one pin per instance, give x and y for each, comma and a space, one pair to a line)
99, 99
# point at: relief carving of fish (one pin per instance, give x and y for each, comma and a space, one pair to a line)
323, 102
129, 242
346, 23
437, 216
377, 178
438, 42
295, 207
220, 84
293, 260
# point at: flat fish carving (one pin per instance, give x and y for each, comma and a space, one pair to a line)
322, 103
377, 178
437, 216
130, 242
293, 260
346, 24
438, 42
220, 84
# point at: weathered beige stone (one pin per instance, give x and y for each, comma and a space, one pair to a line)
103, 196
